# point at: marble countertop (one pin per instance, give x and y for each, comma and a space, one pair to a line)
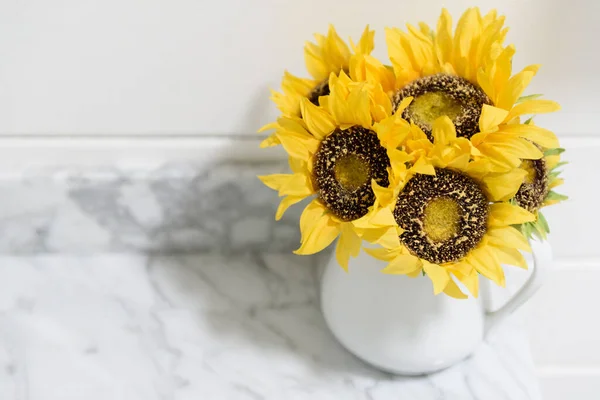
200, 326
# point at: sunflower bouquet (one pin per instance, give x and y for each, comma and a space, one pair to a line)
433, 164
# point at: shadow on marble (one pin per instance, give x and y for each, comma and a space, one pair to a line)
182, 207
262, 310
264, 304
206, 326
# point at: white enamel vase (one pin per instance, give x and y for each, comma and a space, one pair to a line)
396, 324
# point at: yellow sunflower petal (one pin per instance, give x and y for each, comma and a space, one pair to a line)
297, 166
499, 160
293, 89
396, 51
358, 108
515, 146
275, 181
315, 64
403, 105
466, 35
491, 36
556, 182
485, 83
540, 136
336, 51
503, 186
313, 211
366, 44
459, 162
299, 185
508, 237
347, 246
454, 291
285, 204
416, 273
491, 117
439, 276
504, 214
515, 87
511, 257
423, 166
388, 237
425, 29
399, 158
402, 264
382, 232
533, 107
270, 141
443, 130
470, 280
486, 263
550, 202
319, 234
298, 145
349, 108
552, 161
465, 30
381, 253
268, 127
383, 217
383, 195
443, 37
318, 121
501, 70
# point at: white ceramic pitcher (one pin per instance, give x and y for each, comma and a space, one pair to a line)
397, 324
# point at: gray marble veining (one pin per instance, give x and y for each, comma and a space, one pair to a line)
201, 326
176, 284
180, 208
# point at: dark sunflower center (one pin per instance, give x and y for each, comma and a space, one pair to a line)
438, 95
443, 216
533, 191
344, 166
322, 89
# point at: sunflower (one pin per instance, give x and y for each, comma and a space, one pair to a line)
329, 55
335, 155
455, 219
466, 75
344, 102
537, 190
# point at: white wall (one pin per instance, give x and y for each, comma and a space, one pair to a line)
564, 322
135, 81
199, 66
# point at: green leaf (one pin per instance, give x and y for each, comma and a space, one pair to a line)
554, 174
556, 196
528, 97
553, 152
543, 223
526, 229
529, 121
538, 234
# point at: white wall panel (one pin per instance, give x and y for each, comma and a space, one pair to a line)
574, 223
564, 322
198, 66
571, 387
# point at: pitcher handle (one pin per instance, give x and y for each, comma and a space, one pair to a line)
542, 264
